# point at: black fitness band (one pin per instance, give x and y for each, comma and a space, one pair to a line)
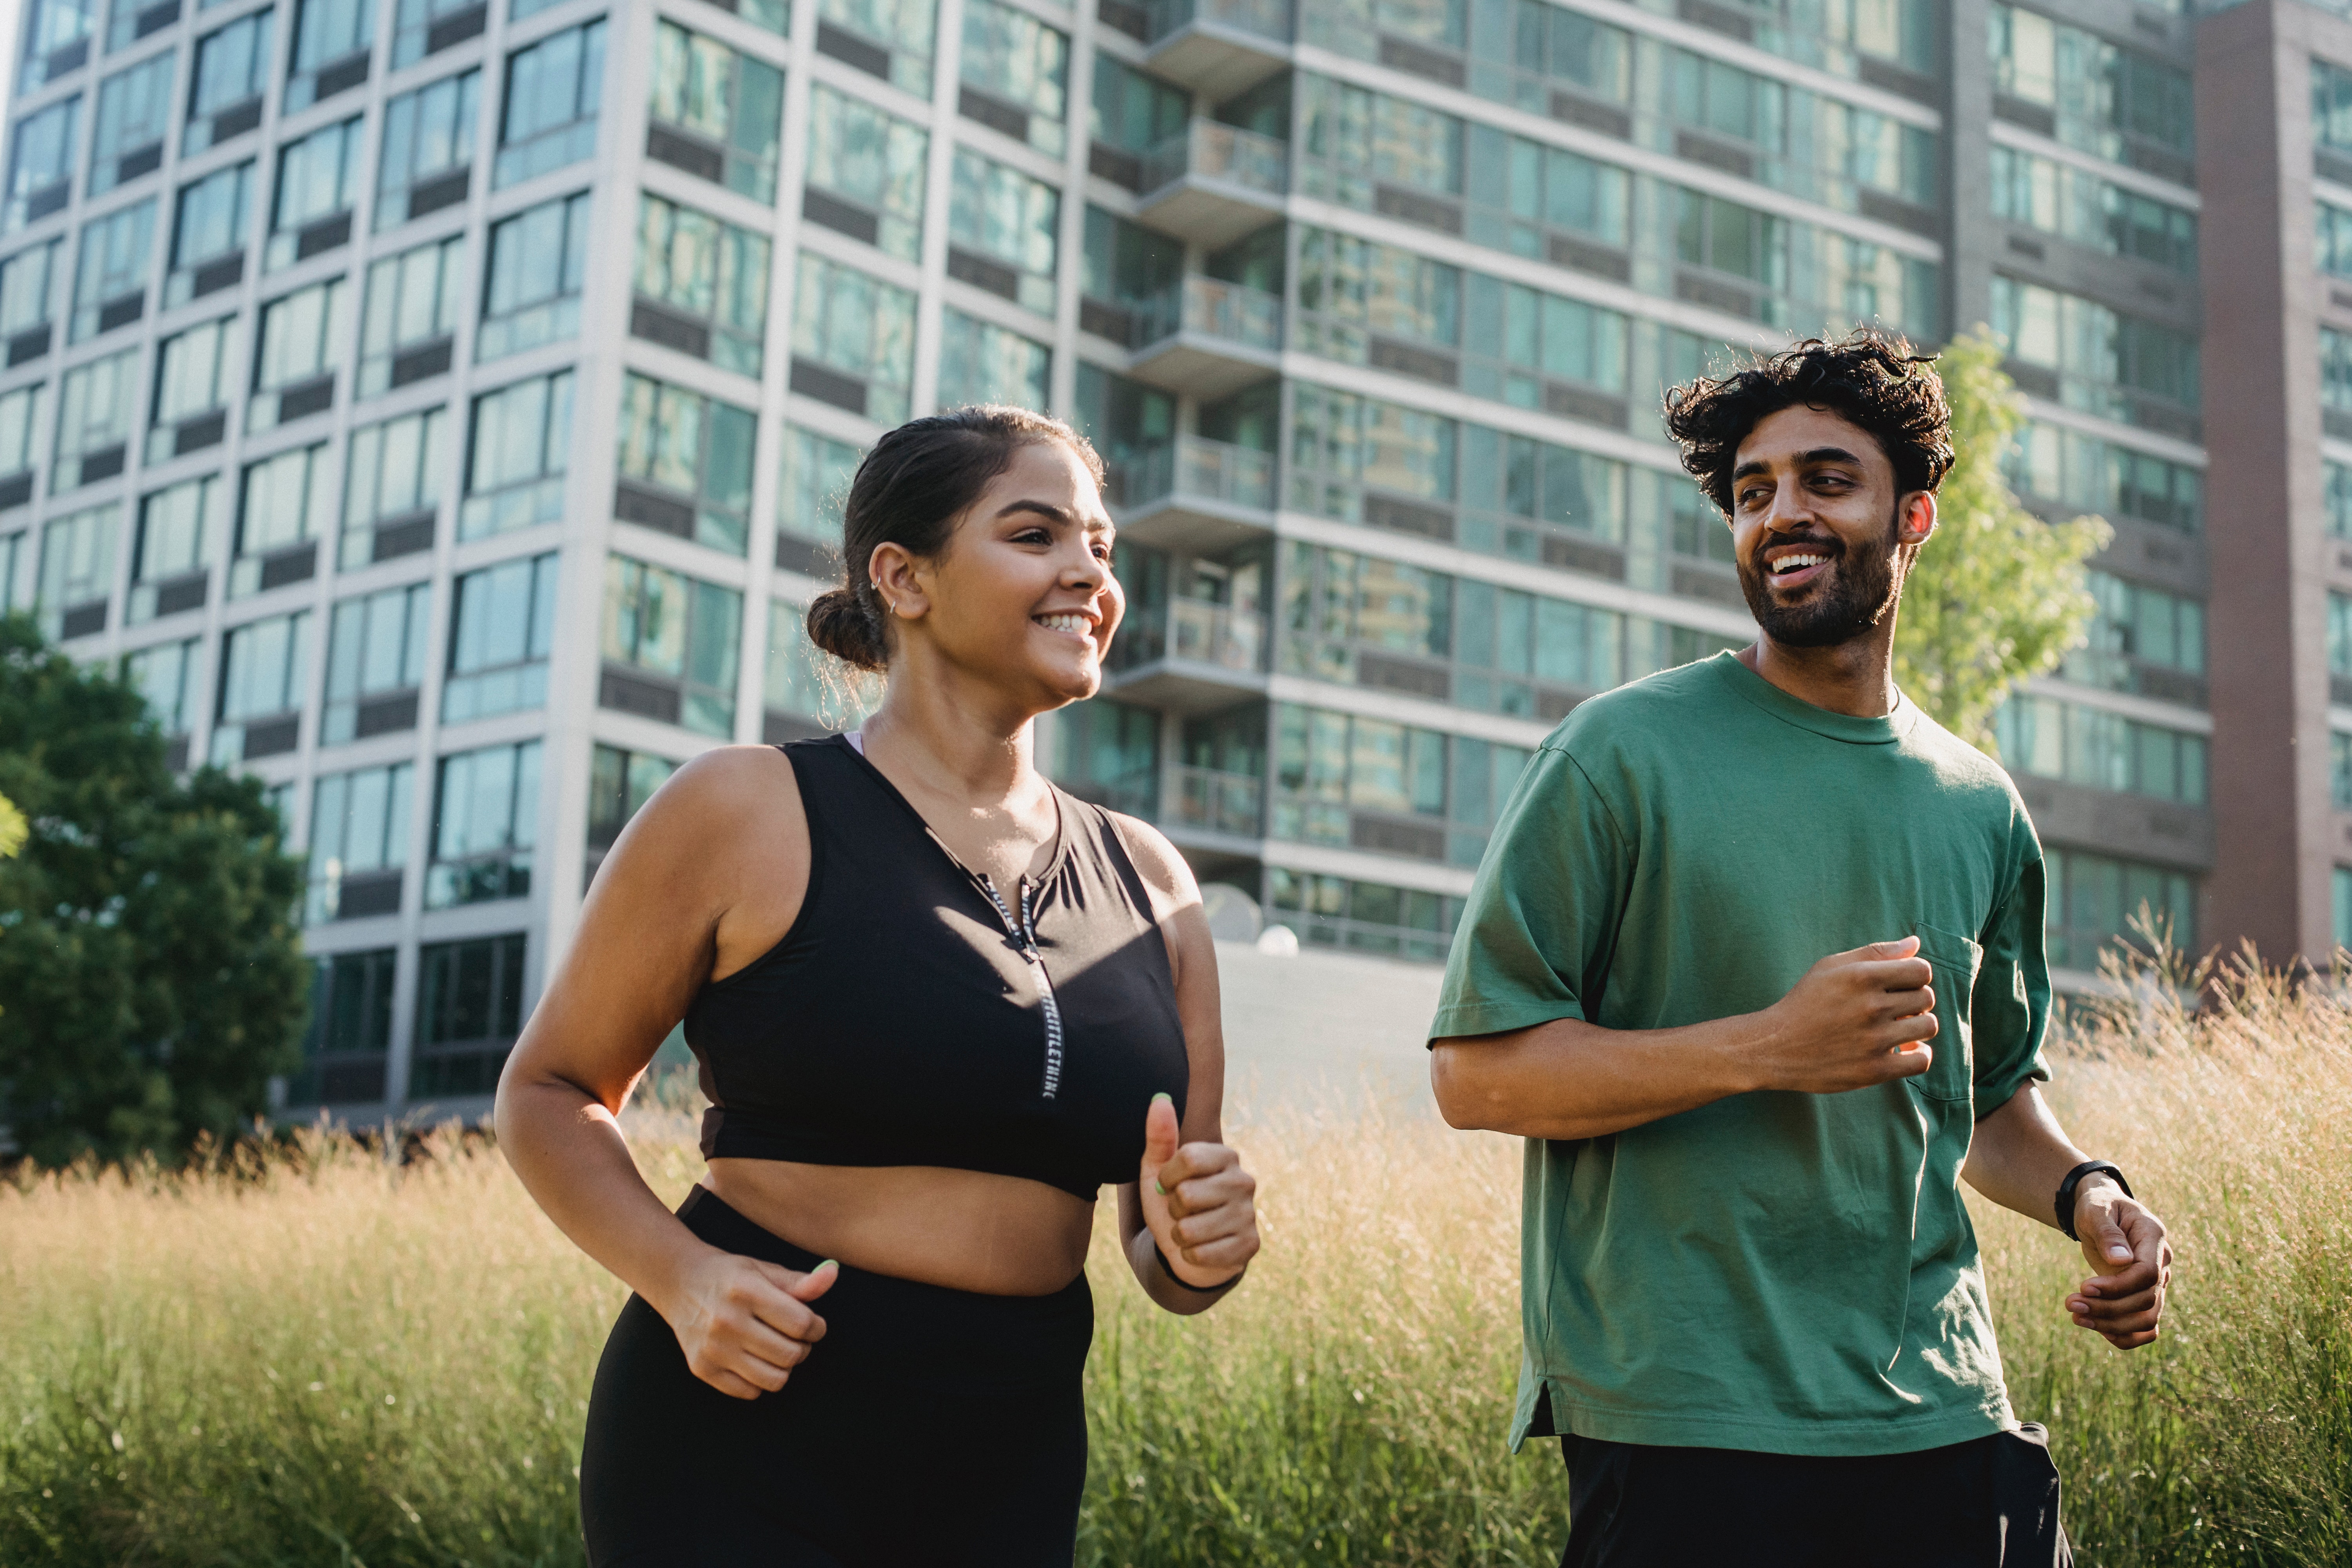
1183, 1284
2065, 1204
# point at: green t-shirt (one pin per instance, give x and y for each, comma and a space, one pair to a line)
1782, 1272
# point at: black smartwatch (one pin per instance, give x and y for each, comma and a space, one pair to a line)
2065, 1204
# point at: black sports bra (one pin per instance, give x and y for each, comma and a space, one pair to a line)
915, 1015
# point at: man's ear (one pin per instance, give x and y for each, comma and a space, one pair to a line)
1917, 523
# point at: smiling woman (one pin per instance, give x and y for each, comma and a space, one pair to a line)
939, 1004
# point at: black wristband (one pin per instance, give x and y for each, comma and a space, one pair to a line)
2066, 1202
1182, 1284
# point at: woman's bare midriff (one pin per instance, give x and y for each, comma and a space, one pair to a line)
968, 1230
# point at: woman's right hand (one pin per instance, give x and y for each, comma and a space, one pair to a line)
745, 1324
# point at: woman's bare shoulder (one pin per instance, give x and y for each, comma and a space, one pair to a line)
716, 808
1161, 867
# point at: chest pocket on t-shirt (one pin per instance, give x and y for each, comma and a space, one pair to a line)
1956, 960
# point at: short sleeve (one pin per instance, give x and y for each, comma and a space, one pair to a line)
1535, 939
2008, 1012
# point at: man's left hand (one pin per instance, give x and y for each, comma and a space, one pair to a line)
2122, 1237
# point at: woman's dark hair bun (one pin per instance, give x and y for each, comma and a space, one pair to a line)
908, 491
840, 625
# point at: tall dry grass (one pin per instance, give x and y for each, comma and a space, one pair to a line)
319, 1358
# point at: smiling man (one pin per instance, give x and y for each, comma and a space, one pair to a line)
1755, 964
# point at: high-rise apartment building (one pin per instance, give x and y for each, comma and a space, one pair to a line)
440, 408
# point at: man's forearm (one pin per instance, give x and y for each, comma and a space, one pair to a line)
1570, 1079
2019, 1154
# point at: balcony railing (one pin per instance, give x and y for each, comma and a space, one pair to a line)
1267, 19
1222, 803
1233, 311
1191, 469
1217, 151
1198, 631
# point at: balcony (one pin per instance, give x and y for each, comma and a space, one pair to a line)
1228, 804
1195, 496
1188, 656
1215, 183
1218, 47
1207, 337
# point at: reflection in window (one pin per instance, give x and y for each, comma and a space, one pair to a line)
717, 113
302, 336
177, 528
264, 671
96, 406
412, 313
165, 675
1007, 227
232, 72
19, 412
684, 633
550, 103
857, 335
318, 182
376, 663
56, 40
281, 510
982, 362
118, 256
193, 379
808, 689
77, 576
694, 449
897, 36
391, 486
208, 234
865, 175
2097, 902
28, 288
421, 28
485, 826
468, 1012
619, 783
539, 258
134, 110
816, 471
332, 39
1015, 73
516, 457
503, 627
428, 149
359, 843
707, 281
41, 165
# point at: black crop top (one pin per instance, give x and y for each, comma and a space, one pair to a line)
913, 1016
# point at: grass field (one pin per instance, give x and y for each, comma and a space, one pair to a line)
320, 1359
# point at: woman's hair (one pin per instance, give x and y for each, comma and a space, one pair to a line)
1870, 379
909, 492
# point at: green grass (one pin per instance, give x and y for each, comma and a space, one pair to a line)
319, 1358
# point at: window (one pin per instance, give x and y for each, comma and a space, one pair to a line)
715, 114
56, 40
208, 234
468, 1012
95, 408
1546, 203
685, 463
808, 690
1342, 444
170, 566
1109, 754
2083, 209
412, 314
619, 783
133, 20
264, 673
359, 843
421, 28
1133, 426
428, 149
1369, 917
2331, 104
2071, 470
12, 551
1126, 269
232, 72
165, 675
41, 165
537, 261
2335, 370
672, 645
391, 486
2100, 749
550, 103
2337, 483
865, 170
134, 109
982, 362
2096, 901
1005, 228
1016, 75
376, 663
1394, 788
1378, 153
853, 340
193, 379
501, 630
816, 471
28, 289
2101, 361
2143, 639
2339, 794
76, 572
302, 347
1535, 501
19, 412
318, 182
1131, 114
279, 515
118, 255
1351, 288
889, 38
485, 826
703, 285
515, 463
2339, 634
2091, 94
331, 40
349, 1038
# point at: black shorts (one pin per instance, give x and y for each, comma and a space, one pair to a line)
929, 1426
1991, 1503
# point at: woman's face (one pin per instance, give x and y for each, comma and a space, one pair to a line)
1023, 593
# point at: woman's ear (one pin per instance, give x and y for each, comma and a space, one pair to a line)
897, 582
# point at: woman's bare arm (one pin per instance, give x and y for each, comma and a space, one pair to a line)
667, 911
1206, 1221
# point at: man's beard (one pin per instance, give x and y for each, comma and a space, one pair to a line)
1865, 581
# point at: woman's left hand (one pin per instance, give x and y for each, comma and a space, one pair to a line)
1197, 1203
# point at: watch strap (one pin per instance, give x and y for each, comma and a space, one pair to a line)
2065, 1201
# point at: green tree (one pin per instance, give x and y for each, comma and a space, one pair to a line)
152, 963
1996, 595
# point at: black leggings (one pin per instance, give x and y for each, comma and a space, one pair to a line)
842, 1467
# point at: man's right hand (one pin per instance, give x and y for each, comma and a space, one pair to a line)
743, 1323
1856, 1019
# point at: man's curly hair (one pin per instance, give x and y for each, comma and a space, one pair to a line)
1868, 378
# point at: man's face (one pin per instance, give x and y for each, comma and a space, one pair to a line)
1820, 536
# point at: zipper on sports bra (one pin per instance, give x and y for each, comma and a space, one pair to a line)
1024, 932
